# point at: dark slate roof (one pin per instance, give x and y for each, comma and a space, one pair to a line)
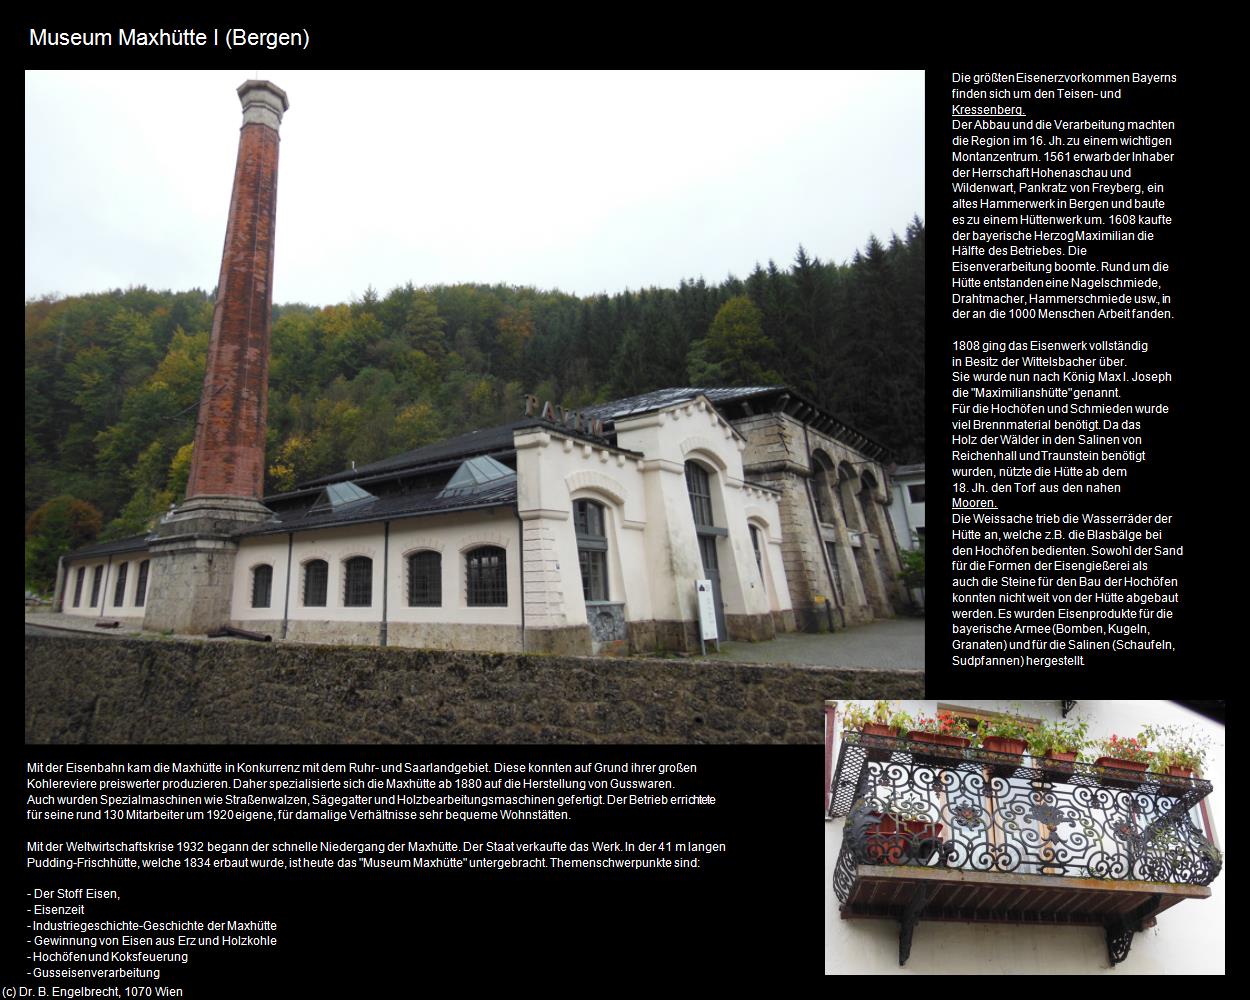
660, 398
134, 543
419, 503
786, 398
489, 440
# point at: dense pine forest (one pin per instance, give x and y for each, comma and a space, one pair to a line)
113, 379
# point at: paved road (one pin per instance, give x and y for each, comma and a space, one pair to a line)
895, 644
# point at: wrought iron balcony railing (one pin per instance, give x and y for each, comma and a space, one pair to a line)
913, 805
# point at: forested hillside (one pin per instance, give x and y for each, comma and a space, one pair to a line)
113, 380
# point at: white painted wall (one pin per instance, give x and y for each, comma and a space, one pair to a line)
452, 535
1189, 938
104, 606
653, 553
694, 431
907, 515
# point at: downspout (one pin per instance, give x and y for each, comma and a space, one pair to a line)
386, 571
520, 534
286, 597
824, 549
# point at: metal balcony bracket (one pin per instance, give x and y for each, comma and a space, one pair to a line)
920, 897
1120, 932
1119, 940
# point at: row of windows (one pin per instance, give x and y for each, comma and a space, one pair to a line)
119, 589
486, 580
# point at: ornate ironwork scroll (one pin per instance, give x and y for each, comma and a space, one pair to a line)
909, 803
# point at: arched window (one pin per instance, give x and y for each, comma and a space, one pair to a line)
358, 582
82, 572
821, 468
119, 588
846, 497
592, 549
262, 585
486, 577
699, 486
141, 585
316, 575
700, 490
757, 544
97, 578
425, 580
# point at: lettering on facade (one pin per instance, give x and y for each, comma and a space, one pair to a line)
557, 414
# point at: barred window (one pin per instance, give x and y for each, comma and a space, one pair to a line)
425, 580
592, 549
262, 584
316, 575
97, 578
82, 573
486, 577
119, 589
141, 585
700, 490
358, 582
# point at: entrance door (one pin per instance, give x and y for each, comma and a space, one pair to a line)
711, 569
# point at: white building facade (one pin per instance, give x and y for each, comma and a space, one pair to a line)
537, 536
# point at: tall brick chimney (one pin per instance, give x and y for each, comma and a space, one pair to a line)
229, 455
193, 548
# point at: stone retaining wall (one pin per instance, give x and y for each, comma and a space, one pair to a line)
93, 689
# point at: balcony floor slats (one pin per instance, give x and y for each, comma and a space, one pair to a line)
992, 897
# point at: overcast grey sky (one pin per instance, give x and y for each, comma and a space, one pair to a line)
586, 182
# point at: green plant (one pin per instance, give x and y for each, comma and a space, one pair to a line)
1177, 746
1064, 736
945, 724
1131, 748
881, 712
912, 562
1008, 726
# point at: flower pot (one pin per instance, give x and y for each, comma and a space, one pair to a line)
877, 750
890, 842
1059, 761
941, 745
1004, 744
1181, 772
1123, 781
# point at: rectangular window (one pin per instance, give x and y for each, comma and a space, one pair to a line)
594, 565
82, 573
119, 590
141, 585
97, 578
916, 492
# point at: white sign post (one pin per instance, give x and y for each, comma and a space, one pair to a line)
707, 615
